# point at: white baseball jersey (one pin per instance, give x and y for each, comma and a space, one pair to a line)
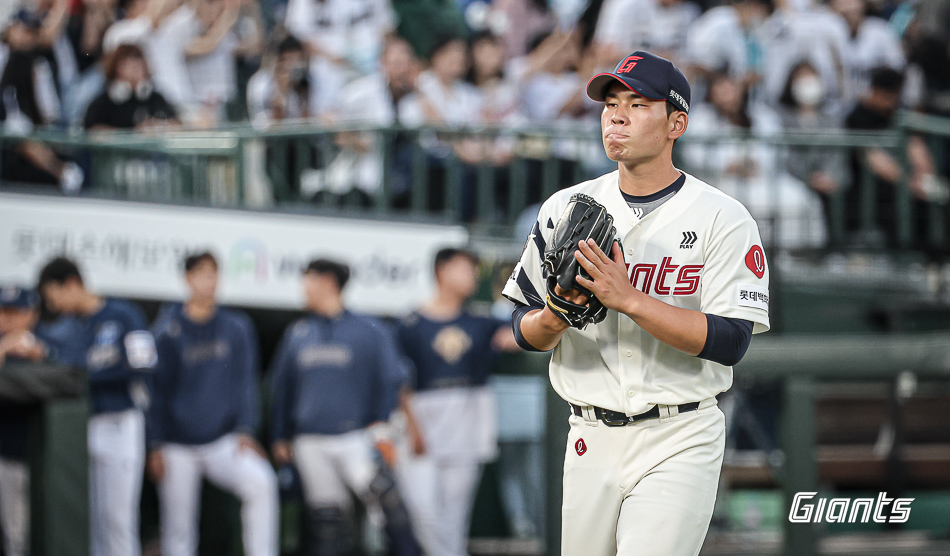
700, 250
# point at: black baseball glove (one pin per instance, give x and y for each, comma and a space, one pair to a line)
583, 219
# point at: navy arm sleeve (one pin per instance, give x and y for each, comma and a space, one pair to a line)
248, 418
727, 339
520, 311
282, 378
157, 414
392, 374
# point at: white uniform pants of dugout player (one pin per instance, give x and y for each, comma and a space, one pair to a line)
15, 506
116, 465
331, 466
242, 472
644, 489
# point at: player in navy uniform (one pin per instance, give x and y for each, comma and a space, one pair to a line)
112, 343
204, 415
19, 341
452, 420
335, 379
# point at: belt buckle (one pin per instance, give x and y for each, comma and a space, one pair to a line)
612, 422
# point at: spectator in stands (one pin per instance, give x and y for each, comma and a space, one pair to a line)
442, 97
804, 109
130, 100
929, 50
788, 214
281, 92
498, 80
85, 30
29, 99
519, 22
348, 33
871, 43
376, 100
210, 56
658, 26
875, 111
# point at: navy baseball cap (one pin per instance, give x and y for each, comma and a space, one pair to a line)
649, 76
15, 297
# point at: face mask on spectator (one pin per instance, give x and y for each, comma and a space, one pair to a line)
121, 91
808, 90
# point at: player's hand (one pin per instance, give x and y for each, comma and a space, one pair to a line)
416, 441
609, 283
248, 442
155, 466
282, 452
387, 451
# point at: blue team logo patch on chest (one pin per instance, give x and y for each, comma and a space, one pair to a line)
327, 355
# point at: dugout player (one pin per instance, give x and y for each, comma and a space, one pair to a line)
686, 288
203, 417
112, 343
19, 314
336, 375
452, 421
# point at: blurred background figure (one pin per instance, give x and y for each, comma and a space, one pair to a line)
335, 380
118, 352
204, 417
30, 98
872, 43
130, 100
282, 91
19, 314
451, 412
786, 211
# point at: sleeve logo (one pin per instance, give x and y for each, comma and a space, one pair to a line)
755, 260
756, 297
140, 349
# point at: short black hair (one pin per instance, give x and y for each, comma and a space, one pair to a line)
447, 254
289, 43
58, 271
887, 79
326, 266
443, 41
194, 259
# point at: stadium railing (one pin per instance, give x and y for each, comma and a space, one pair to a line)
488, 177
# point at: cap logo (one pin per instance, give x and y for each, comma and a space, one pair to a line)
628, 64
679, 98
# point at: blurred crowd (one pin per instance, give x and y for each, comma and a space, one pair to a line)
758, 66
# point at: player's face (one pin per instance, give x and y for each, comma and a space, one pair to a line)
635, 129
203, 280
17, 320
321, 290
62, 298
460, 276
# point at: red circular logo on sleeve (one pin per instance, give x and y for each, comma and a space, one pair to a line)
755, 260
580, 447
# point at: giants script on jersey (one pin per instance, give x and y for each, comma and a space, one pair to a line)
665, 278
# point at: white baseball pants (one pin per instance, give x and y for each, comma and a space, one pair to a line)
15, 506
116, 465
645, 489
242, 472
440, 494
331, 466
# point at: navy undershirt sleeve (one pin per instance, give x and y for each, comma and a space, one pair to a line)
520, 311
727, 339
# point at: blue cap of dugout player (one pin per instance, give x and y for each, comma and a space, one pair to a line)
15, 297
648, 75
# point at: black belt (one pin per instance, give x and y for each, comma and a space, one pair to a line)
617, 419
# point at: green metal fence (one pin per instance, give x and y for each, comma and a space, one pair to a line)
489, 176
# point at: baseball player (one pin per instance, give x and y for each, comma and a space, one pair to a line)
114, 346
203, 417
452, 422
335, 379
684, 283
19, 313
